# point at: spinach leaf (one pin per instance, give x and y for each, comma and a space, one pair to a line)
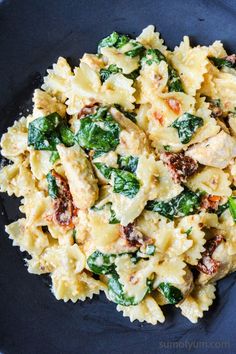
171, 293
105, 170
186, 203
112, 69
113, 219
174, 83
167, 147
52, 186
99, 132
42, 132
113, 40
188, 232
222, 208
133, 75
54, 156
98, 154
187, 125
67, 136
74, 235
152, 56
125, 183
116, 292
46, 132
222, 62
138, 49
128, 163
100, 263
129, 115
232, 207
122, 40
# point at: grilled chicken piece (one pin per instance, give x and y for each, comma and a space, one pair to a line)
216, 151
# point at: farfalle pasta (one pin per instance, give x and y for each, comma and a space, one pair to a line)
126, 173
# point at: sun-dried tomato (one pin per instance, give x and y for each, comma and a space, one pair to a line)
179, 165
207, 264
63, 204
134, 237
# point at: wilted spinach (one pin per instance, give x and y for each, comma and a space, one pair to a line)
152, 56
174, 83
133, 75
99, 132
232, 207
113, 40
138, 49
113, 219
187, 125
52, 186
186, 203
46, 132
129, 115
112, 69
100, 263
128, 163
105, 170
222, 62
171, 293
117, 294
124, 183
222, 208
54, 156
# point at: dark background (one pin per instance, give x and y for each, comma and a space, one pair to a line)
33, 33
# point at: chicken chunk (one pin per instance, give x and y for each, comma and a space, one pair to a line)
216, 151
79, 172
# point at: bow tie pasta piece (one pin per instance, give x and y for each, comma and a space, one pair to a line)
212, 180
14, 142
227, 224
147, 311
93, 61
40, 163
85, 87
171, 270
225, 84
191, 225
124, 62
151, 39
29, 238
45, 104
56, 82
38, 208
17, 179
191, 63
151, 82
81, 179
74, 287
217, 50
200, 299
